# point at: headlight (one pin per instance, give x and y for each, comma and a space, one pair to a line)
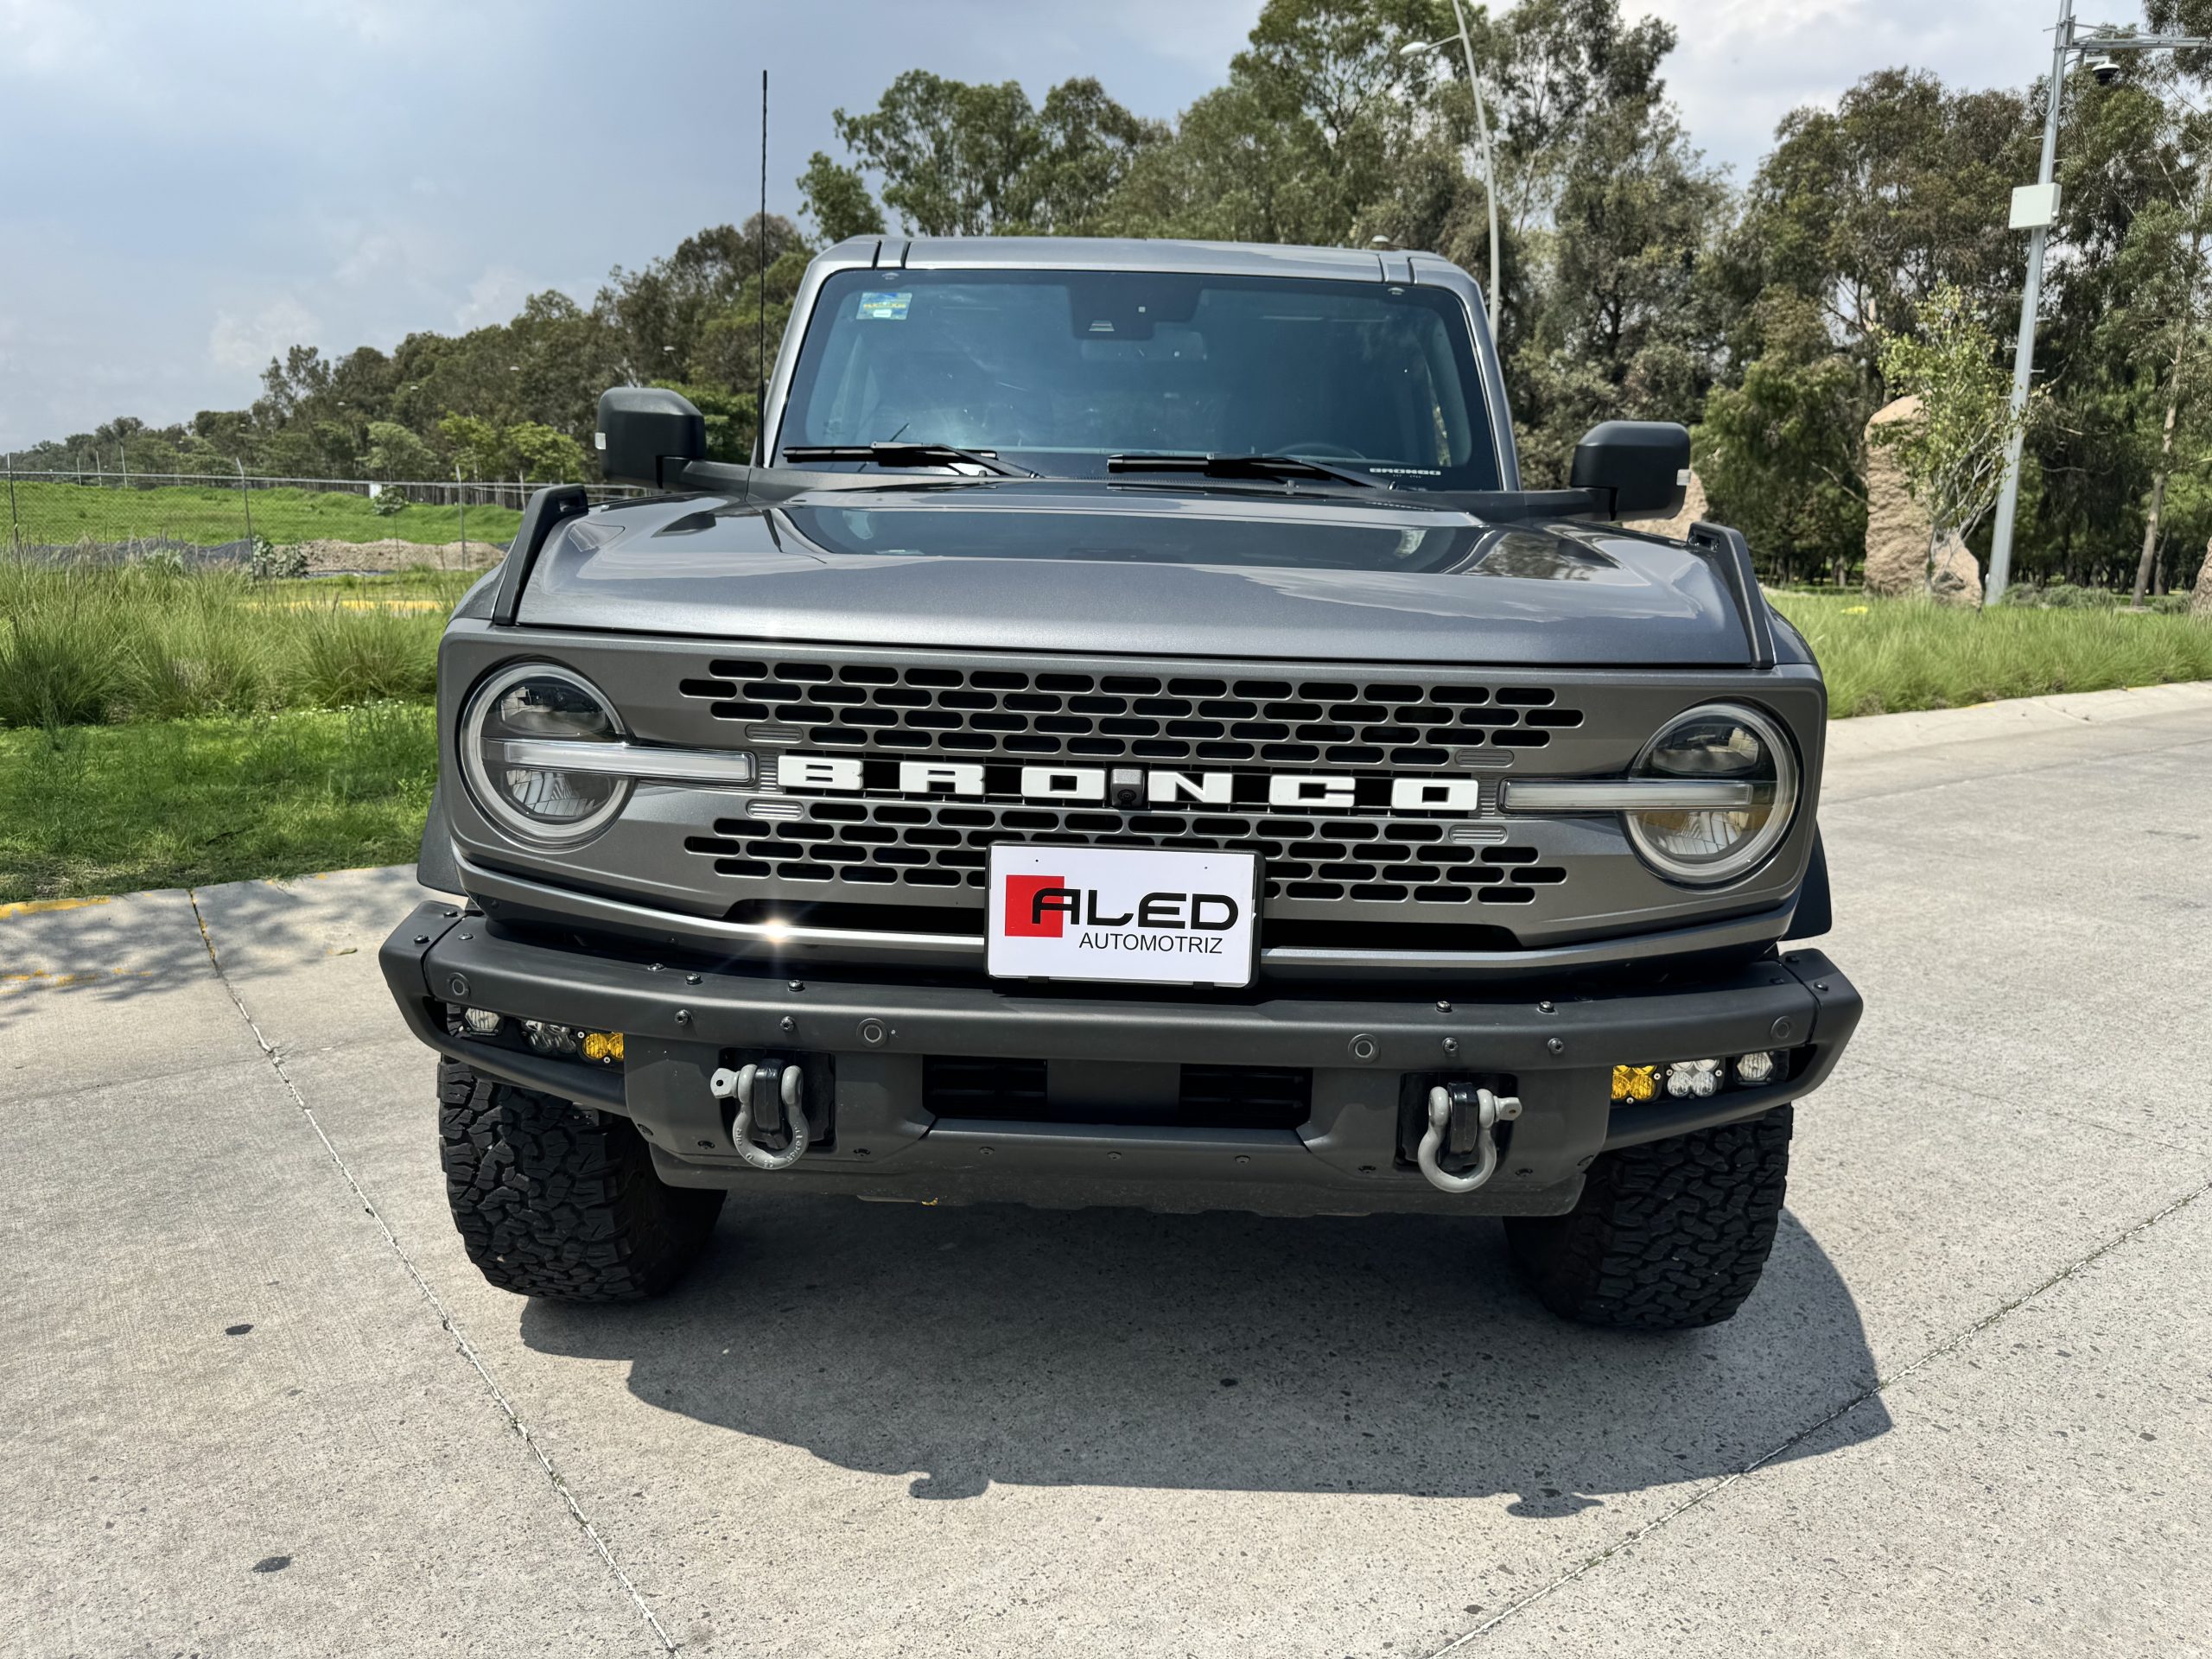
1720, 743
518, 718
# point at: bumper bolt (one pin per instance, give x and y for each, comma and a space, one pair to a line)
1444, 1007
1451, 1045
1545, 1007
871, 1032
787, 1024
1554, 1045
422, 939
690, 979
466, 937
799, 984
683, 1016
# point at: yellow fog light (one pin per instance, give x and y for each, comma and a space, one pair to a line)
1634, 1082
605, 1046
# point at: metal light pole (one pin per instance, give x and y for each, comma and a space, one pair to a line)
2034, 208
2044, 209
1491, 294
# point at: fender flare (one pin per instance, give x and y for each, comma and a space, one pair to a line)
1815, 913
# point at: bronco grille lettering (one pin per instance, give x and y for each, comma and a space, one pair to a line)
980, 780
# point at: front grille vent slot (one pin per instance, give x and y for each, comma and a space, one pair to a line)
1127, 717
942, 845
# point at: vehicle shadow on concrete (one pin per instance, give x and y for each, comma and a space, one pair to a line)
105, 952
1383, 1355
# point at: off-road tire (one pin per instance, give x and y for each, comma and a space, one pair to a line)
1668, 1235
558, 1200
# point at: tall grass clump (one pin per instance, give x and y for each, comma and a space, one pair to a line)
62, 661
341, 656
197, 649
100, 642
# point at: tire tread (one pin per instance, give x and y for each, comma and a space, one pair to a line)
556, 1200
1669, 1236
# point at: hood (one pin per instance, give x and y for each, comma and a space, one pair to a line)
1097, 568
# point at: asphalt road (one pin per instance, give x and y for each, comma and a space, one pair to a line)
259, 1403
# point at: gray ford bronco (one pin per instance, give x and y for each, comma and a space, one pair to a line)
1130, 739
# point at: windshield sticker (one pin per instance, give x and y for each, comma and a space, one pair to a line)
884, 307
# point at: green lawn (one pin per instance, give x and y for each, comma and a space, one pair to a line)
61, 515
180, 803
1888, 656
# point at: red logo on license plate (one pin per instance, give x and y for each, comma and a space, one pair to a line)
1026, 919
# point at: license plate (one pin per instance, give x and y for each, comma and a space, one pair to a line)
1127, 914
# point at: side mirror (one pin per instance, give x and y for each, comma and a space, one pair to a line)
1644, 466
647, 433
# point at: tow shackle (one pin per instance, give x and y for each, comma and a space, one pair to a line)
1488, 1110
743, 1085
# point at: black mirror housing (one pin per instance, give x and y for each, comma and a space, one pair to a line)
646, 434
1643, 466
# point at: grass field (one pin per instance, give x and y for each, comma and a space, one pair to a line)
1888, 656
179, 803
61, 515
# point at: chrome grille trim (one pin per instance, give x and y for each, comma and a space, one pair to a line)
777, 945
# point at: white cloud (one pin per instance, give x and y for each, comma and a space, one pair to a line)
495, 297
244, 343
1740, 65
49, 37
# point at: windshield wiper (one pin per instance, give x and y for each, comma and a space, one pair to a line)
1259, 467
907, 453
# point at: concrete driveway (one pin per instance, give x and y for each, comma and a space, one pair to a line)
259, 1402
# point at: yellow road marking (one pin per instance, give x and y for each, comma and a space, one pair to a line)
39, 907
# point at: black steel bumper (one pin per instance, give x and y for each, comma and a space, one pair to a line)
680, 1025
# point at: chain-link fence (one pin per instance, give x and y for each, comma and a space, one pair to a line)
304, 523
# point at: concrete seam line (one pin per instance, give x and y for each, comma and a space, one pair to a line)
1880, 1385
452, 1327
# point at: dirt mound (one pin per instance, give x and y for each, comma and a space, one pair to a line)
393, 554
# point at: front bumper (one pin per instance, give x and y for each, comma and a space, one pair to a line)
1347, 1157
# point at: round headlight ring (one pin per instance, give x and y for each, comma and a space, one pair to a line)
492, 800
1758, 842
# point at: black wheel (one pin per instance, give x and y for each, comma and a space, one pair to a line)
1667, 1236
557, 1200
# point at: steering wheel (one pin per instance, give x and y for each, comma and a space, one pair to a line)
1319, 448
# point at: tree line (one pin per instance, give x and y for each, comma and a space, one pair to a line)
1773, 317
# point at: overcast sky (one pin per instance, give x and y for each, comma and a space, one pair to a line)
185, 190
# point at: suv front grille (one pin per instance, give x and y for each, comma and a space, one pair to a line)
1108, 717
941, 844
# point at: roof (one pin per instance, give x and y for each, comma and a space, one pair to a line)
1120, 253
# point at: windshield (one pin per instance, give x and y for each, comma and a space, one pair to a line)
1056, 371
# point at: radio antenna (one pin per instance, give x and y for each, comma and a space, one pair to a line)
761, 236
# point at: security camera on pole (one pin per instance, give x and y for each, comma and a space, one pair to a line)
2034, 207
